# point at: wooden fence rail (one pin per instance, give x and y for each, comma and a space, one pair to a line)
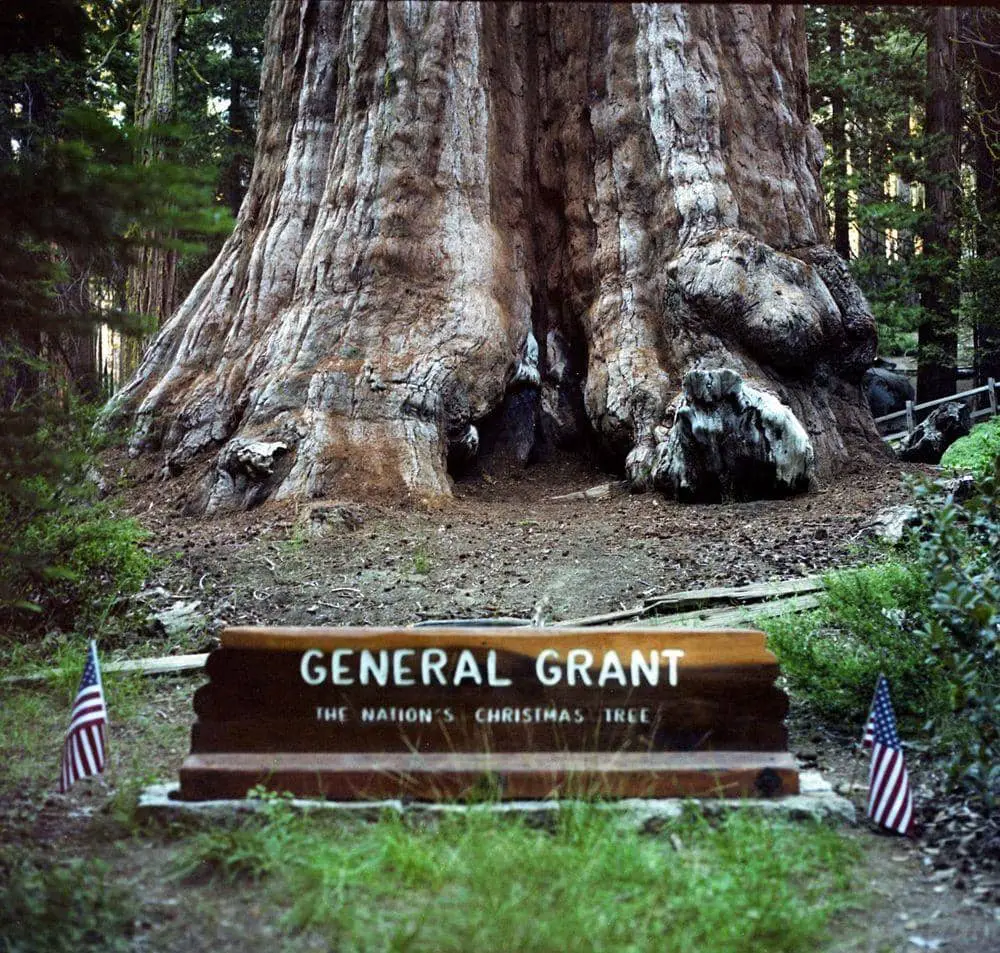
909, 414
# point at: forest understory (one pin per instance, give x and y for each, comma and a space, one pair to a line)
501, 547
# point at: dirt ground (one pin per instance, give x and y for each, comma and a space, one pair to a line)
501, 547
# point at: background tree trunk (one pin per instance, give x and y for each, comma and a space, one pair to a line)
983, 28
938, 332
151, 285
838, 143
463, 217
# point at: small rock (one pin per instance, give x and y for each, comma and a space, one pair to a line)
180, 619
154, 594
927, 944
93, 475
891, 524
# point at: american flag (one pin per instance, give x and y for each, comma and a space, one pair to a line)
868, 736
890, 800
84, 748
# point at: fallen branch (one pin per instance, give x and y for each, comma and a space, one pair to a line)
725, 616
673, 602
599, 492
168, 665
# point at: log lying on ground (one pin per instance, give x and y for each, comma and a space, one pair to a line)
720, 600
488, 228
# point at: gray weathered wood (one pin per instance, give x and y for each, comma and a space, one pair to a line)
732, 615
600, 492
755, 592
167, 665
673, 602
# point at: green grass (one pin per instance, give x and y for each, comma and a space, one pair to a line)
476, 882
29, 724
421, 560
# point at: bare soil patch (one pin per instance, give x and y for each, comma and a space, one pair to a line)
499, 548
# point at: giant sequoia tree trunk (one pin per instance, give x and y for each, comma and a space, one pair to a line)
464, 217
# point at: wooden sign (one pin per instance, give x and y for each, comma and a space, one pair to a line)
354, 714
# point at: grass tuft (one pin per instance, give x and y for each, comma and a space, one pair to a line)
475, 882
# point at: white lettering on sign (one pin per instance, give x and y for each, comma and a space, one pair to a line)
312, 674
368, 669
408, 667
433, 662
530, 716
539, 715
338, 672
406, 716
643, 668
402, 674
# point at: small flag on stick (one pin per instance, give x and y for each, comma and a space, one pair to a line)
890, 800
868, 736
84, 749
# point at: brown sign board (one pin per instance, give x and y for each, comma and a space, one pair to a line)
369, 713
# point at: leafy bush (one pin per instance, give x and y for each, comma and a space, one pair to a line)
958, 550
68, 907
870, 621
978, 451
931, 624
65, 559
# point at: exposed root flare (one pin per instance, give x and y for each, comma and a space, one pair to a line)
550, 217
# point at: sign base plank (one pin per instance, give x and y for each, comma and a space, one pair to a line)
502, 776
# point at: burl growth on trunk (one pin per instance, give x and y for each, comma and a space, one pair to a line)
510, 225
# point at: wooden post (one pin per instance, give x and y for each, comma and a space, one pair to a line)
992, 385
910, 422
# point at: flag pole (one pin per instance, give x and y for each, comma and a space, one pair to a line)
859, 746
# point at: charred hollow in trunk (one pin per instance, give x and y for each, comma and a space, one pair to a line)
463, 211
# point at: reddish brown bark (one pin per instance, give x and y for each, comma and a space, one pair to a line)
463, 214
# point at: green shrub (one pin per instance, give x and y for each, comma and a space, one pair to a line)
932, 625
61, 909
959, 549
870, 621
978, 451
65, 558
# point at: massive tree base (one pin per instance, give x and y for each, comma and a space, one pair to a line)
492, 228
